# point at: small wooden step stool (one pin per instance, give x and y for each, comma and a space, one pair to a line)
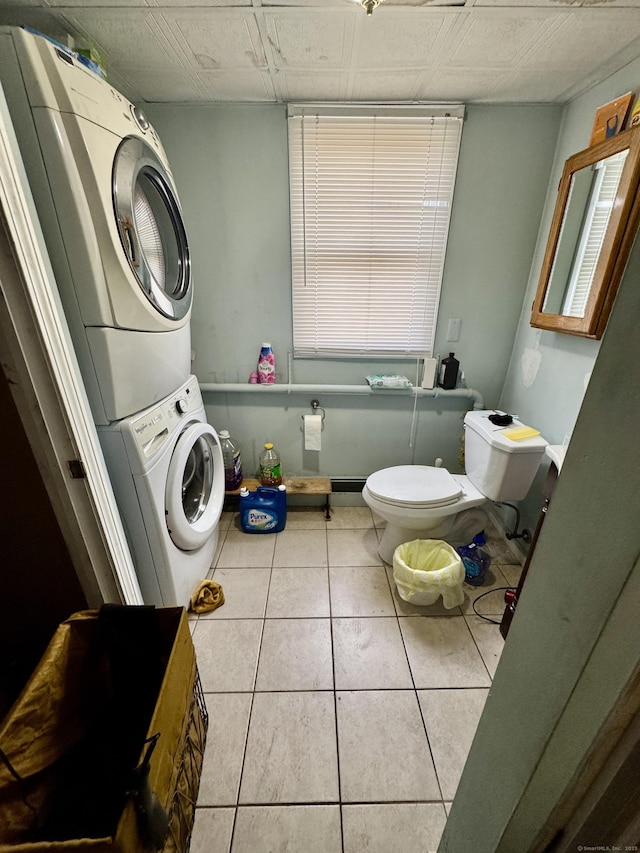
297, 486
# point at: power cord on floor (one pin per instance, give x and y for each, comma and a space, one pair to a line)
488, 592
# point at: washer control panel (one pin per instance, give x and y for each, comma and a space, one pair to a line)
154, 426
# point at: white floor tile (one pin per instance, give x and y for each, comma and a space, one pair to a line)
353, 547
300, 548
393, 828
212, 831
298, 592
369, 655
442, 653
290, 829
227, 653
310, 604
360, 591
511, 572
295, 655
488, 640
489, 605
247, 550
226, 520
224, 751
384, 754
291, 750
245, 593
351, 518
305, 518
451, 718
222, 535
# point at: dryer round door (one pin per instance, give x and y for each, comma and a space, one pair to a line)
151, 229
195, 487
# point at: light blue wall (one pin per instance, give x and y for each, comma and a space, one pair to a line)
549, 372
230, 165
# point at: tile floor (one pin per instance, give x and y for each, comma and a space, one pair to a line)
340, 716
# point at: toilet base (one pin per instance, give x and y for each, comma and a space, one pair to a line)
455, 529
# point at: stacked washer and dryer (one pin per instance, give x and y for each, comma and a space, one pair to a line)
114, 230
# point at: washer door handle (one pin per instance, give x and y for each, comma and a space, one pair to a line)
129, 240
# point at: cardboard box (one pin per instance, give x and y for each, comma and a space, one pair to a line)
68, 744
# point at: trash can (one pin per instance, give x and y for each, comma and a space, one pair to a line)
427, 568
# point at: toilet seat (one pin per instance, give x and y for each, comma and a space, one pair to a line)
414, 486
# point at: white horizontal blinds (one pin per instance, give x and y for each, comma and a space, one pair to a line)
370, 207
606, 180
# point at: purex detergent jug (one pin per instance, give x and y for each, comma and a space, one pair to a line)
263, 511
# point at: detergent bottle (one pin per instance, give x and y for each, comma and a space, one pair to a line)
263, 511
475, 560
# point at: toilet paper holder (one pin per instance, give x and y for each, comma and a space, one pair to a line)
317, 410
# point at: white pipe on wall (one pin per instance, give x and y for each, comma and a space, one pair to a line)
294, 388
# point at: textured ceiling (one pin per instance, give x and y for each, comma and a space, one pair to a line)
491, 51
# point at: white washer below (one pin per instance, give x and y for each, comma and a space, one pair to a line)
167, 474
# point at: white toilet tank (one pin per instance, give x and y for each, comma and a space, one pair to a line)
502, 469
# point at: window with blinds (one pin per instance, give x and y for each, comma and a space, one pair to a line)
371, 194
604, 189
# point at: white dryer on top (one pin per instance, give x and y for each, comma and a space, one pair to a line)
112, 222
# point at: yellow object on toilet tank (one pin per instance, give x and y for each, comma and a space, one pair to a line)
520, 433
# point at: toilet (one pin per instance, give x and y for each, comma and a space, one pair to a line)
425, 502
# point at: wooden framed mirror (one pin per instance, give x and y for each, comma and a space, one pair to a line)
593, 228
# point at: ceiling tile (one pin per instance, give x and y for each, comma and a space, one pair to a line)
298, 86
220, 40
459, 84
278, 50
401, 39
304, 3
544, 85
173, 4
238, 86
173, 85
490, 40
548, 4
385, 86
310, 39
39, 19
555, 4
580, 37
92, 4
127, 37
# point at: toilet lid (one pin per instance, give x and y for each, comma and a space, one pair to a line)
414, 485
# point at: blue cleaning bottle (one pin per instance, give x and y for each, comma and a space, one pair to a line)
263, 511
475, 559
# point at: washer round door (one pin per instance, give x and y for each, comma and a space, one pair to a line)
195, 487
151, 229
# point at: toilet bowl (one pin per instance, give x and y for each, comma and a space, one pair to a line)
424, 502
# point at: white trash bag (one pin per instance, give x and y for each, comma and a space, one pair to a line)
426, 568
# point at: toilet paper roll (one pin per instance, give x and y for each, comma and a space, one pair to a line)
312, 430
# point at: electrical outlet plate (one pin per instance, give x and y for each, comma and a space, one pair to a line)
453, 330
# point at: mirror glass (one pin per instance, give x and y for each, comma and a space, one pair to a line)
589, 238
592, 192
